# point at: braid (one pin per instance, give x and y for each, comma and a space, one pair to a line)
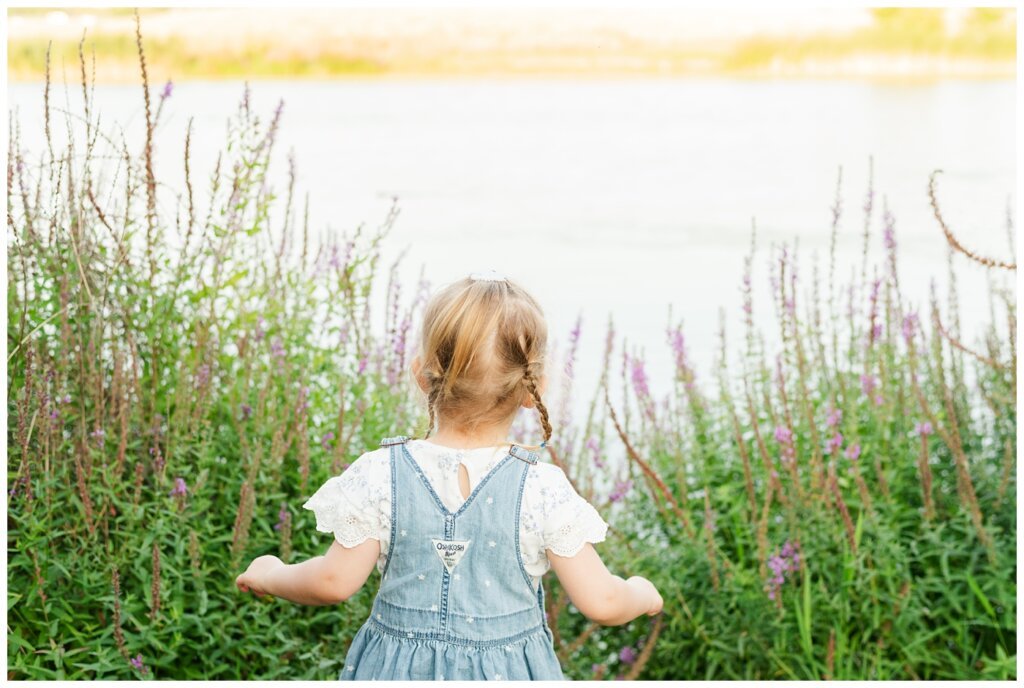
430, 425
531, 386
432, 395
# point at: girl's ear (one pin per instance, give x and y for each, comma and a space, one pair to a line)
417, 367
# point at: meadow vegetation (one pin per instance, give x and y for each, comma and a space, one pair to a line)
186, 366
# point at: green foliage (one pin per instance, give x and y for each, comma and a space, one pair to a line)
894, 592
220, 351
211, 342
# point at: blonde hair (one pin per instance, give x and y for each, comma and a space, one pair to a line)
482, 350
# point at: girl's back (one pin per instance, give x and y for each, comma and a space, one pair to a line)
460, 596
461, 542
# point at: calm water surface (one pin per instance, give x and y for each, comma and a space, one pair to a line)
621, 197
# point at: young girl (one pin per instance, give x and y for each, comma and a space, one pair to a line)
461, 526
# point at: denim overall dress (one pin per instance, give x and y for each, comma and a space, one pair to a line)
455, 602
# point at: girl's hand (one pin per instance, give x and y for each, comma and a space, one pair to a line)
656, 603
252, 579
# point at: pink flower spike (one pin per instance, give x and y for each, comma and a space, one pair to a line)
834, 416
783, 435
834, 443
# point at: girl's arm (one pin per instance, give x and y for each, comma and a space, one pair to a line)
327, 579
602, 597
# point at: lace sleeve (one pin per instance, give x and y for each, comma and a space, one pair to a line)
569, 520
349, 505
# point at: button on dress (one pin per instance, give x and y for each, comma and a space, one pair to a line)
455, 602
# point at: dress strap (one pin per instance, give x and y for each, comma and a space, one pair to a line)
523, 454
397, 439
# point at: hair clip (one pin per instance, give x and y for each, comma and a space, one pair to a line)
488, 276
543, 444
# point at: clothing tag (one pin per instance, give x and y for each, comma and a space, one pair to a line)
450, 551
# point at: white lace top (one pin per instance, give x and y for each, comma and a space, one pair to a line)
356, 505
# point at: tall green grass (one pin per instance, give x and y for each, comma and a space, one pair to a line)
186, 366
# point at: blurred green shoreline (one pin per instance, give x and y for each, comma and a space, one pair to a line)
897, 44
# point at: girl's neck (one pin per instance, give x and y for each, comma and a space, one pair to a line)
449, 435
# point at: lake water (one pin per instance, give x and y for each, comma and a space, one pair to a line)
608, 197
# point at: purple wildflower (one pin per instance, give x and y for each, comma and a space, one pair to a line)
303, 398
326, 439
834, 443
595, 449
349, 247
678, 343
259, 333
873, 298
98, 435
853, 451
889, 234
180, 488
868, 384
136, 662
790, 305
923, 429
778, 566
67, 398
573, 344
627, 655
168, 88
277, 348
362, 364
748, 305
23, 481
246, 411
910, 323
400, 338
620, 490
639, 376
879, 400
783, 435
282, 516
785, 561
834, 416
683, 368
203, 375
